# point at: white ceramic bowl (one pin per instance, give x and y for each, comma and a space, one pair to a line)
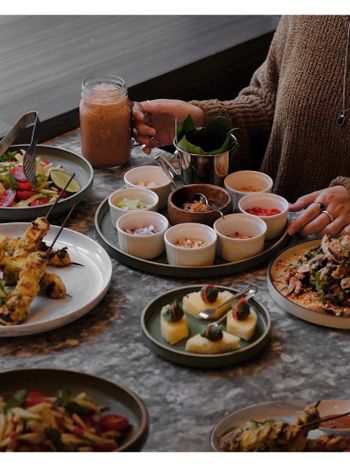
238, 184
276, 223
181, 256
147, 174
146, 196
143, 246
334, 407
236, 249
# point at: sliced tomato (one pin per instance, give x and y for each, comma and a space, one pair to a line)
40, 201
114, 423
35, 398
7, 197
24, 194
77, 430
23, 186
18, 173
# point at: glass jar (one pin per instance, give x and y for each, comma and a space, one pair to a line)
105, 121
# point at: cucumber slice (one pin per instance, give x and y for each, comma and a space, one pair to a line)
60, 180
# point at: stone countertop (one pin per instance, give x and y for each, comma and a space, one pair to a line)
302, 361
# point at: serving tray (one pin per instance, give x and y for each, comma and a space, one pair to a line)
108, 238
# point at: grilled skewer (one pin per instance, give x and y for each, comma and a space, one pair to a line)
18, 302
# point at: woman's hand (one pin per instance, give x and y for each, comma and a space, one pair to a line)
154, 121
314, 220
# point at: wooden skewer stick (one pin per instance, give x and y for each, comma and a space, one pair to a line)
325, 419
59, 197
60, 230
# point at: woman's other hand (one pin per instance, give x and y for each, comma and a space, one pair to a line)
154, 121
326, 212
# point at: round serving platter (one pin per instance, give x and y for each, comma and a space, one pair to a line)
118, 399
287, 411
86, 284
71, 163
108, 238
150, 324
315, 317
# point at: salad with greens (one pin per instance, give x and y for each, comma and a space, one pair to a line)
16, 191
213, 138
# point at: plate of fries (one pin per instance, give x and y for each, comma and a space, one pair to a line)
43, 288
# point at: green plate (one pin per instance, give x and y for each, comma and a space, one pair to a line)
71, 163
108, 238
150, 323
118, 399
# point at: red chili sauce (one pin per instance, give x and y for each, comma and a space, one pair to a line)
263, 211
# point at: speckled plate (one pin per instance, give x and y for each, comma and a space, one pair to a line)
118, 399
107, 236
71, 163
288, 411
85, 284
150, 323
315, 317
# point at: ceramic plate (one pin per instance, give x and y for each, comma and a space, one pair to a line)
117, 398
71, 163
287, 411
86, 285
150, 322
315, 317
107, 236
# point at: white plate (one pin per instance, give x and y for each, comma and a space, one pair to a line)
87, 285
287, 411
320, 318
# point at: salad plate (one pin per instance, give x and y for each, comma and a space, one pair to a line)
150, 323
118, 399
108, 238
86, 284
308, 306
287, 411
61, 159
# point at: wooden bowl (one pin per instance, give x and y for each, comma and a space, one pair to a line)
219, 196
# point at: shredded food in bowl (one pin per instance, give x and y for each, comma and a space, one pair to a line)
32, 421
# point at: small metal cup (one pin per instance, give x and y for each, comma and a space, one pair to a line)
197, 168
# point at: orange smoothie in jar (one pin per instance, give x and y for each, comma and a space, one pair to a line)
105, 121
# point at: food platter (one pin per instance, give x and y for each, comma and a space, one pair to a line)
106, 393
85, 284
72, 163
150, 323
107, 237
316, 317
287, 411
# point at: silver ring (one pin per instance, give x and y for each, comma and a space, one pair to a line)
331, 218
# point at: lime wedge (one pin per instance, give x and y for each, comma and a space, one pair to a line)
60, 179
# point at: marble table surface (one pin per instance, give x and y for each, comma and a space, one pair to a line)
302, 361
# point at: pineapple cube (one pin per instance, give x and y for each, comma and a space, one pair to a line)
199, 344
193, 303
244, 328
173, 331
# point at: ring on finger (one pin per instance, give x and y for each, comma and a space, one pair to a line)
322, 206
330, 217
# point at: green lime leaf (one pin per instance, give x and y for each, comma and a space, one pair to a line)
16, 400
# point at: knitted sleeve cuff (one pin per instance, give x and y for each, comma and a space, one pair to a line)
343, 181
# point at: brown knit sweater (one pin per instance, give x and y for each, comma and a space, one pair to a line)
287, 115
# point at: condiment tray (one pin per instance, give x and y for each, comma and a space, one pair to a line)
108, 238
